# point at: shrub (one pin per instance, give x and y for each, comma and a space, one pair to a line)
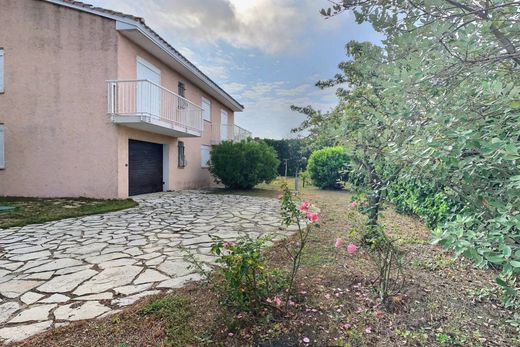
242, 165
327, 167
248, 280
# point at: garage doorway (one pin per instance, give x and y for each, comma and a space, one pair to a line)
145, 167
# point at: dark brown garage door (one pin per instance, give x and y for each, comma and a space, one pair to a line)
145, 167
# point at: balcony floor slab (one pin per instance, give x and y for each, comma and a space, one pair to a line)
157, 126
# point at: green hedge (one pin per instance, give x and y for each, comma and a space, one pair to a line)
243, 165
427, 200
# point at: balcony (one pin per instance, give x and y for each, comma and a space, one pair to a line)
144, 105
228, 132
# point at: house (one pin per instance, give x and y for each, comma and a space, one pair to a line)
95, 103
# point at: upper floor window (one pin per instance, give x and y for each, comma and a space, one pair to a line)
182, 89
206, 109
1, 70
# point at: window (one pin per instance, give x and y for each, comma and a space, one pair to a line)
205, 156
181, 155
1, 70
2, 150
206, 109
183, 104
182, 89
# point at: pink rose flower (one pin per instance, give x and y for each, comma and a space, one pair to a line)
277, 301
304, 206
346, 326
339, 242
353, 204
313, 217
351, 248
228, 244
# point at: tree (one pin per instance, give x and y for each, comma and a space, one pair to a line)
445, 93
368, 126
296, 151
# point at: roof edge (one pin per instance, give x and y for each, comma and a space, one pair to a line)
140, 25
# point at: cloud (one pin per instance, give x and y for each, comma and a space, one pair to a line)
218, 65
260, 89
233, 87
294, 91
268, 104
271, 26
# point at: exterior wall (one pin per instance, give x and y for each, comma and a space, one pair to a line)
191, 176
59, 140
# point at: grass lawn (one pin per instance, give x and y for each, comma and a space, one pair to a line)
36, 210
442, 303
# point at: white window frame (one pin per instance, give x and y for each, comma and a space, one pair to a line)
2, 146
2, 58
206, 113
205, 163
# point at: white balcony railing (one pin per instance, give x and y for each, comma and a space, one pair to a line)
229, 132
240, 133
142, 101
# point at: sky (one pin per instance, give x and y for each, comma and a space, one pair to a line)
268, 54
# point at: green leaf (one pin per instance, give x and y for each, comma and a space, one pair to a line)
506, 251
515, 263
501, 282
496, 259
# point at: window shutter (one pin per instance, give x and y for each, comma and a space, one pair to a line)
2, 147
1, 70
181, 155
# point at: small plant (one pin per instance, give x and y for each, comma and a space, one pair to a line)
305, 217
443, 338
177, 313
248, 281
305, 177
201, 268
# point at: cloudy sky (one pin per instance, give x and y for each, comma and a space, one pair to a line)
268, 54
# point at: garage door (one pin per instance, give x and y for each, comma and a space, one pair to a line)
145, 167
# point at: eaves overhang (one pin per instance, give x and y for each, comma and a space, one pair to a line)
135, 29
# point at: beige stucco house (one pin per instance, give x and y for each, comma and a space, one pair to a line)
94, 103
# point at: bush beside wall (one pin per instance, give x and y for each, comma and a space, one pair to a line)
243, 165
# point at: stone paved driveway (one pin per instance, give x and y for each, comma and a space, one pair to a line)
87, 267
